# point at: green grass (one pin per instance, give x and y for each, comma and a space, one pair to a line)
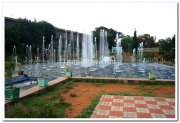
150, 91
47, 103
73, 95
86, 113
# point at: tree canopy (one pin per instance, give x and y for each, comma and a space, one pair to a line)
26, 32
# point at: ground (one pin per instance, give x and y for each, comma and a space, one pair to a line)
86, 92
75, 98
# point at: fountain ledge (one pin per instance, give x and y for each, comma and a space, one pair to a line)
126, 79
34, 89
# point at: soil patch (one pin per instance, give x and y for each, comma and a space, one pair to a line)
85, 92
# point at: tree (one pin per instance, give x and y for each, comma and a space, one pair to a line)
126, 43
148, 41
111, 34
26, 32
167, 48
135, 42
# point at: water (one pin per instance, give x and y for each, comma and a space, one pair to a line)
103, 45
87, 48
43, 48
106, 69
77, 47
59, 48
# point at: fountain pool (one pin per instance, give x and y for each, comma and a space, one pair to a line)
101, 69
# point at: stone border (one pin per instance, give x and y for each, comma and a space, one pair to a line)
127, 80
36, 88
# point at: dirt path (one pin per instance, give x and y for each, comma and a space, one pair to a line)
85, 92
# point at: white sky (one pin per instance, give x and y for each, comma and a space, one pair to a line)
155, 18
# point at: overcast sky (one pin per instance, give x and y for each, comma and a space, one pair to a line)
155, 18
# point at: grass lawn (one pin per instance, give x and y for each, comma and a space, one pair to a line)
77, 99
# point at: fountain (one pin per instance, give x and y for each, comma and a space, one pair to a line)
119, 51
103, 46
140, 58
77, 47
134, 57
59, 48
14, 56
118, 62
87, 49
88, 63
43, 49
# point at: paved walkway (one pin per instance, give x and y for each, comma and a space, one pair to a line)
37, 88
111, 106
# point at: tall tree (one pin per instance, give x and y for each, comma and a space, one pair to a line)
135, 42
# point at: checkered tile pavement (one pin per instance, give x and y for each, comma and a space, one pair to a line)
134, 107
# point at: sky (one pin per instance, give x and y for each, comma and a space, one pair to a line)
155, 18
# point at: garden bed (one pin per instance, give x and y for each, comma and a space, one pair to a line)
78, 98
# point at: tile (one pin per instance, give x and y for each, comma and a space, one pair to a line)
162, 103
134, 107
116, 108
152, 106
118, 100
108, 96
158, 115
116, 113
171, 103
107, 100
102, 112
129, 105
142, 110
170, 116
167, 107
102, 107
143, 115
139, 102
171, 112
129, 109
117, 104
156, 111
118, 97
170, 99
128, 101
138, 98
151, 102
141, 106
130, 115
98, 116
106, 103
128, 98
159, 99
149, 99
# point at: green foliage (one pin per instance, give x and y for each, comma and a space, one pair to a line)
148, 41
135, 42
167, 48
111, 34
73, 95
20, 67
126, 43
9, 69
26, 32
47, 103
